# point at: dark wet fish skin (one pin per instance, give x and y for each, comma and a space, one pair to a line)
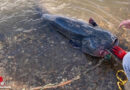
91, 40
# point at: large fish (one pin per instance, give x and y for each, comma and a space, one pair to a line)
89, 38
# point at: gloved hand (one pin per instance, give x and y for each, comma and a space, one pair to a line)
125, 23
119, 52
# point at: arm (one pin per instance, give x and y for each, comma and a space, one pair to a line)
125, 57
126, 65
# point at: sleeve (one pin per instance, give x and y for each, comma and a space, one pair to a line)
126, 65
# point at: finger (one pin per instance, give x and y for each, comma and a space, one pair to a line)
116, 48
127, 26
120, 26
114, 51
124, 23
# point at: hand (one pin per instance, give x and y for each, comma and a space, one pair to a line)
119, 52
125, 23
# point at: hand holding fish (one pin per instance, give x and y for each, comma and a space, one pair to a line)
125, 57
125, 23
119, 52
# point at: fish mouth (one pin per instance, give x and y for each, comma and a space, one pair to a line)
104, 52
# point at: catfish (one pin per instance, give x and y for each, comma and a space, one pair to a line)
88, 37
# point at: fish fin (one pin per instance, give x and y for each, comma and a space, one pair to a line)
75, 44
92, 22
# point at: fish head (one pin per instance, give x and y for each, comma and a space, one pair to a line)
99, 43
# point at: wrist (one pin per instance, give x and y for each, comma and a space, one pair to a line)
127, 56
122, 56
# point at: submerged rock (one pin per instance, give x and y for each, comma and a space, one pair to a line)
33, 54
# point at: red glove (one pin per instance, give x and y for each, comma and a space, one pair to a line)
119, 52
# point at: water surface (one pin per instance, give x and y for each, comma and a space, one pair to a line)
37, 55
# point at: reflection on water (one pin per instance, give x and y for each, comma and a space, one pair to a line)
107, 13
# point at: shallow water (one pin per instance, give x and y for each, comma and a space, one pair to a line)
30, 50
107, 13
